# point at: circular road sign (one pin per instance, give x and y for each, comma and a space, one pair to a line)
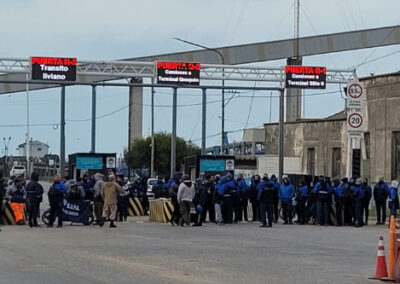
355, 91
355, 120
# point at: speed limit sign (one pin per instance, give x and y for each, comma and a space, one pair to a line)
355, 124
355, 94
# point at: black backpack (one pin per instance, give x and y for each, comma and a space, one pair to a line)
73, 193
348, 194
380, 193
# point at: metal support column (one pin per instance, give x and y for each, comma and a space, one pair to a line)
62, 133
93, 137
203, 121
281, 133
173, 136
223, 115
152, 134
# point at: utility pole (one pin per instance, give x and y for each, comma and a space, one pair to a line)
93, 135
152, 134
173, 136
27, 145
6, 144
281, 149
62, 133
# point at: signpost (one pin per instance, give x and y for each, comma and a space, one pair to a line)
178, 73
53, 68
305, 77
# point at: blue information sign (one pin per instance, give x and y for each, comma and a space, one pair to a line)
89, 163
212, 165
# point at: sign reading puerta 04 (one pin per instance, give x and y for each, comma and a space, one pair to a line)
306, 77
178, 73
53, 68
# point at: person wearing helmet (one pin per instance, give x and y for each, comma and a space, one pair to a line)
35, 192
286, 194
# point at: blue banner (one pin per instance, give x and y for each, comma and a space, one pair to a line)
89, 163
76, 211
207, 165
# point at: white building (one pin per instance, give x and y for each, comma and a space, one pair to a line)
37, 149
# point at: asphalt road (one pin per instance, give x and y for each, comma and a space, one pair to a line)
144, 252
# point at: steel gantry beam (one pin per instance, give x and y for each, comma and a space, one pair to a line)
123, 69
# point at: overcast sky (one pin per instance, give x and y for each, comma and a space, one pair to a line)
108, 30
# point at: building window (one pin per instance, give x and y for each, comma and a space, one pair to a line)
336, 158
311, 161
39, 149
396, 155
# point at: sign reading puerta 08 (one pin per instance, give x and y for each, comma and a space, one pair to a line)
178, 73
53, 68
306, 77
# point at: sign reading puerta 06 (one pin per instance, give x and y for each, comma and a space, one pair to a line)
178, 73
306, 77
53, 68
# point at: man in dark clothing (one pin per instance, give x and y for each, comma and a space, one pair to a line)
266, 198
302, 197
323, 191
381, 193
35, 197
123, 201
208, 183
56, 194
173, 194
277, 187
367, 200
349, 203
158, 188
199, 201
253, 192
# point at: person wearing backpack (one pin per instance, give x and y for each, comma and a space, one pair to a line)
56, 194
265, 197
361, 194
393, 198
35, 192
381, 193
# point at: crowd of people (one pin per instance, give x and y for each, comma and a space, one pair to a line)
110, 199
216, 199
324, 201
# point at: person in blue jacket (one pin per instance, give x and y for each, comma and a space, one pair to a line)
56, 195
339, 190
393, 198
303, 196
381, 193
237, 206
244, 197
361, 194
276, 197
286, 194
323, 190
226, 186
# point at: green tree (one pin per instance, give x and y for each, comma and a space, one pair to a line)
140, 153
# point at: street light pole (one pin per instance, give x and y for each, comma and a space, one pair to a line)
6, 144
223, 89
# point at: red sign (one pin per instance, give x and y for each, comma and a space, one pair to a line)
53, 68
306, 77
181, 73
355, 120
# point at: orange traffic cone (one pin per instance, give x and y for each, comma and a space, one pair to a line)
381, 270
391, 254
